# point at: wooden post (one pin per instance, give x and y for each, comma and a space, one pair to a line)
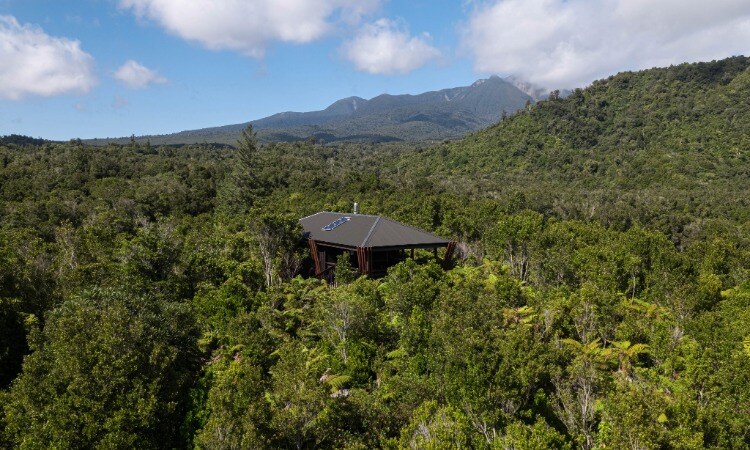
412, 253
314, 253
362, 260
449, 253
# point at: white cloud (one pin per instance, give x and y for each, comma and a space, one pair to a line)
137, 76
384, 47
569, 43
34, 63
248, 26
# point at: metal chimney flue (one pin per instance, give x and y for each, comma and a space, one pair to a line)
356, 208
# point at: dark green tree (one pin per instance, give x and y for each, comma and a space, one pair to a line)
238, 413
245, 184
108, 370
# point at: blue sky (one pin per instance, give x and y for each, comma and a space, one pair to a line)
106, 68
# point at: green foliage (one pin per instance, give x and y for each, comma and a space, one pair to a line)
244, 184
12, 340
538, 436
278, 239
236, 410
300, 412
432, 427
599, 297
644, 147
109, 369
344, 273
409, 285
514, 236
636, 415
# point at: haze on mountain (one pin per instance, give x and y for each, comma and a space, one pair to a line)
430, 116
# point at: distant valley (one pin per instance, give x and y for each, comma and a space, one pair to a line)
431, 116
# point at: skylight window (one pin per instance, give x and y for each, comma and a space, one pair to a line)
336, 223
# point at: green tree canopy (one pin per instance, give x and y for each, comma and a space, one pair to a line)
108, 370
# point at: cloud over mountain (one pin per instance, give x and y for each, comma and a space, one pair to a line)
137, 76
34, 63
249, 26
568, 43
386, 47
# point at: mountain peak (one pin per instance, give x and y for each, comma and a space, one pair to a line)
492, 79
346, 105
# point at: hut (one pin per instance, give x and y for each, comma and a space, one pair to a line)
375, 243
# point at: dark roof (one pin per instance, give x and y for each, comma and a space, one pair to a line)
362, 230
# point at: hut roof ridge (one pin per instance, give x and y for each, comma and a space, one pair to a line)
366, 230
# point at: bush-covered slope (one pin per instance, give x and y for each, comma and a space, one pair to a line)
677, 136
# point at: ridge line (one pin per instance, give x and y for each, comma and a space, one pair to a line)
371, 230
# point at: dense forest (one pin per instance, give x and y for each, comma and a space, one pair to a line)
600, 298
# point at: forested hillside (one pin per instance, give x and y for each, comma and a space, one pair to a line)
600, 298
646, 146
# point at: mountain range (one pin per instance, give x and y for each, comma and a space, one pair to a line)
430, 116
